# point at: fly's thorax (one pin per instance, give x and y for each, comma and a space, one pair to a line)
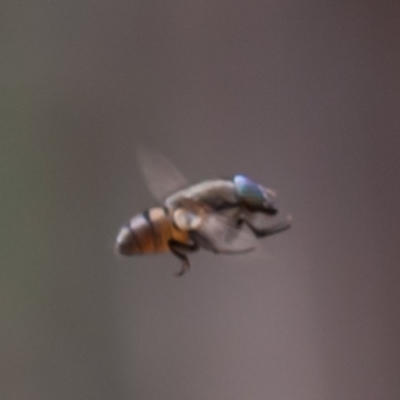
213, 193
254, 196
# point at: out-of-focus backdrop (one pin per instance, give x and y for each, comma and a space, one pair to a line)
302, 96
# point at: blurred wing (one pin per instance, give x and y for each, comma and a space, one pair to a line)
161, 176
217, 234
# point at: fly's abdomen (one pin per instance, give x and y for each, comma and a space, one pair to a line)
149, 232
160, 227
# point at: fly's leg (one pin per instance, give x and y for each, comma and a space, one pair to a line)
272, 230
207, 244
180, 250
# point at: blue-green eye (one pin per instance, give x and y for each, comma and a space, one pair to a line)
248, 191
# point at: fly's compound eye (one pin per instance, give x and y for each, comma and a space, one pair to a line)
186, 220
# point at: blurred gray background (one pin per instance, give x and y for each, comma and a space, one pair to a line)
302, 96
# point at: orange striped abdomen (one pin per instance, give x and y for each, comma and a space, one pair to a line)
149, 232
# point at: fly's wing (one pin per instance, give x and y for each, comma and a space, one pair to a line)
160, 175
218, 234
212, 231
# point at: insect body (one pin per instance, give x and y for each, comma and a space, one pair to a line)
208, 215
